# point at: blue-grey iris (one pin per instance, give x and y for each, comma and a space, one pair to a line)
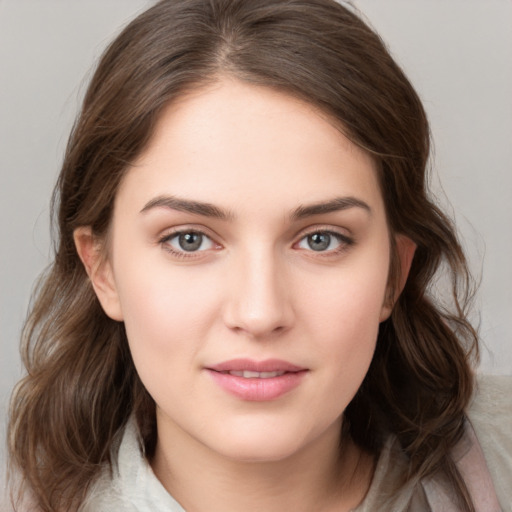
190, 241
319, 241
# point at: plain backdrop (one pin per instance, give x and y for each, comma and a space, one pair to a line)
458, 54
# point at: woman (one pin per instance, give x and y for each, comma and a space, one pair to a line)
238, 316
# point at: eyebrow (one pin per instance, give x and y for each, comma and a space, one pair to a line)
210, 210
186, 205
334, 205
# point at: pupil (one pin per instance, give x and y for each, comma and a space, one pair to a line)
190, 241
319, 241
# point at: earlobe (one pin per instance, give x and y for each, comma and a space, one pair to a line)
99, 270
405, 249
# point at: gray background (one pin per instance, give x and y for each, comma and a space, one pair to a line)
458, 54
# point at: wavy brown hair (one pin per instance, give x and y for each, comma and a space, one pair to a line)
81, 385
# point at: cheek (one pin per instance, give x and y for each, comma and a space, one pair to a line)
347, 330
167, 313
341, 318
349, 299
343, 314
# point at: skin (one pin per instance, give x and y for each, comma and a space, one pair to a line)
255, 289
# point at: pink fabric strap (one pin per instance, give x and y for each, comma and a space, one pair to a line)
471, 463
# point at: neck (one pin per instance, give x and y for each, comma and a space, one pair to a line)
330, 473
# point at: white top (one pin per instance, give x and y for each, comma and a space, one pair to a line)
484, 457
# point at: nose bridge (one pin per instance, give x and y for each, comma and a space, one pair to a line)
259, 302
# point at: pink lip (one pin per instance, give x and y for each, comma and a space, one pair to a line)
269, 365
257, 389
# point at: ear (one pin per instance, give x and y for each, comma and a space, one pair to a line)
405, 249
99, 270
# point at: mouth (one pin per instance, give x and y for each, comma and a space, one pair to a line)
257, 380
248, 366
247, 374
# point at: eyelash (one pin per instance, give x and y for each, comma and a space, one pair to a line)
164, 242
345, 242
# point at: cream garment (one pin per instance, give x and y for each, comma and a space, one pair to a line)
484, 457
491, 416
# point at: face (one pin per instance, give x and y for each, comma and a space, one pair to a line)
248, 259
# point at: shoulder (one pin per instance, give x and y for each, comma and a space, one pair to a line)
483, 455
492, 401
132, 486
490, 414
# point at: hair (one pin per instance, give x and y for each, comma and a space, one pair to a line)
81, 386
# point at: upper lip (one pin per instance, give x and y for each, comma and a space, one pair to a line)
268, 365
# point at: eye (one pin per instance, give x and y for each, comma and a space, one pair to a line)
324, 241
187, 242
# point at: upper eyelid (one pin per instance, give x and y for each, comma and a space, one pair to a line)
164, 241
342, 239
336, 230
172, 231
345, 240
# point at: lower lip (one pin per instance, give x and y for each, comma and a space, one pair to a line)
258, 390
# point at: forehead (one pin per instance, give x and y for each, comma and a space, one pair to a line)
240, 145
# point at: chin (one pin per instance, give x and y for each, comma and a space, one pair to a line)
259, 451
260, 442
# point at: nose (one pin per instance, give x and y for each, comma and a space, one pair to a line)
259, 304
